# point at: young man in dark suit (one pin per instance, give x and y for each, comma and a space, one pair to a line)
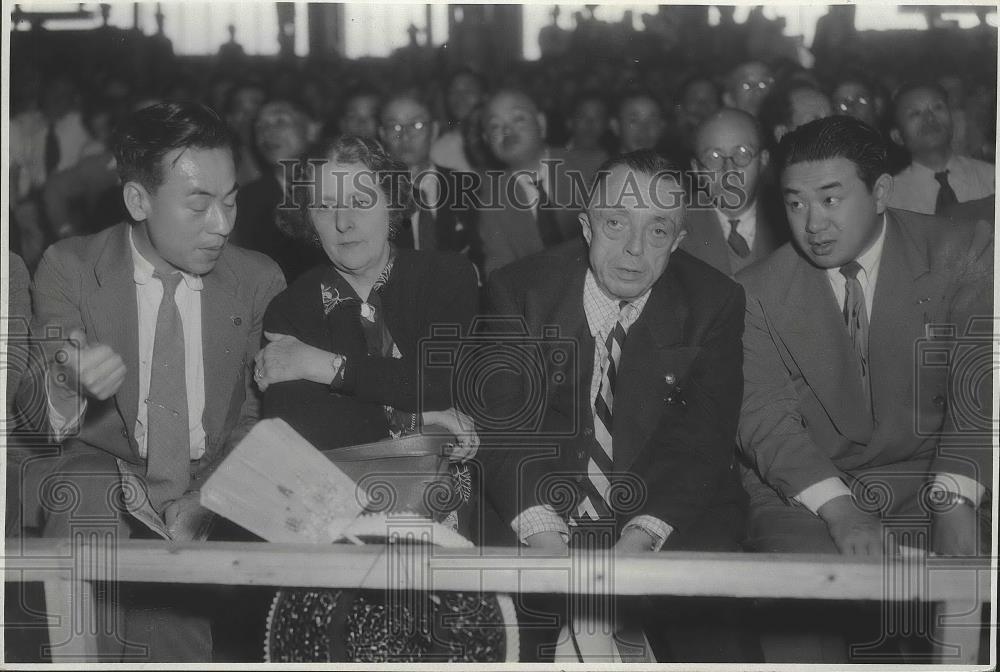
731, 229
639, 411
149, 386
839, 405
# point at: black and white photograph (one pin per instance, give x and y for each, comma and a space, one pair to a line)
499, 334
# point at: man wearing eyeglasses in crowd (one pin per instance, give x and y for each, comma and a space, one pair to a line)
854, 97
728, 229
438, 223
747, 85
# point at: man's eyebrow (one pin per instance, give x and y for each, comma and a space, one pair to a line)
198, 191
831, 185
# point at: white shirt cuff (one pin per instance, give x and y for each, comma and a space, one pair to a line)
541, 518
818, 494
60, 424
960, 485
654, 527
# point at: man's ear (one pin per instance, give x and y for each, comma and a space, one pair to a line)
435, 130
765, 158
727, 99
616, 128
312, 130
882, 190
584, 220
543, 125
677, 243
779, 132
896, 136
136, 200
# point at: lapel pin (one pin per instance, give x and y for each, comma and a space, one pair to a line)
237, 320
670, 379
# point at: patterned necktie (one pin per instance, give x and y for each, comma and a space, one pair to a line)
594, 504
856, 319
168, 444
946, 195
737, 242
52, 153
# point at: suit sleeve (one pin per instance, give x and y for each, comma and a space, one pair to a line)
452, 298
271, 284
965, 448
771, 432
691, 453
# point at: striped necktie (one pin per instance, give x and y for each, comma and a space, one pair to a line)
594, 505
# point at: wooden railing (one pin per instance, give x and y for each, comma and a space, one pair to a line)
66, 568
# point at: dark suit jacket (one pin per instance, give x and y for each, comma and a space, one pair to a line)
705, 240
803, 416
509, 232
673, 441
981, 208
454, 220
87, 283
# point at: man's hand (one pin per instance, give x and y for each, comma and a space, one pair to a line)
956, 531
461, 426
549, 541
92, 368
854, 531
186, 518
634, 540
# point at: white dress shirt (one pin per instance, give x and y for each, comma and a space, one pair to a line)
746, 227
916, 189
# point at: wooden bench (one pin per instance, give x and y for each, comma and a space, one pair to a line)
66, 568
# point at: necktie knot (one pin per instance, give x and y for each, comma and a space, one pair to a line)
170, 282
850, 270
736, 241
942, 177
946, 195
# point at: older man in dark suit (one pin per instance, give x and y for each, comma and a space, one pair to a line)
732, 228
150, 384
642, 410
839, 404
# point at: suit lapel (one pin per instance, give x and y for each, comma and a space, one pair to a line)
705, 241
225, 324
116, 317
764, 241
812, 328
567, 312
901, 307
655, 336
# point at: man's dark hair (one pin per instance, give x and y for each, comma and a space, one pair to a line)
644, 161
836, 137
146, 136
776, 108
916, 85
392, 176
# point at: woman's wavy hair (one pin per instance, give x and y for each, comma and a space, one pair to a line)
302, 190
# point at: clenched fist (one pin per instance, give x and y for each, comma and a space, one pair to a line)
93, 369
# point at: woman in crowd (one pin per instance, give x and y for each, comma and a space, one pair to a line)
342, 360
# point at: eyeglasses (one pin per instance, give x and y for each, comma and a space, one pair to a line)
848, 103
741, 157
413, 127
760, 85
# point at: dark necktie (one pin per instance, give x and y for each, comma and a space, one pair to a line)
737, 242
594, 504
856, 319
946, 195
168, 439
545, 217
426, 237
52, 153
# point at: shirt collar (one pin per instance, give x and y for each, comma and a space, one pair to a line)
747, 219
602, 311
142, 269
869, 260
